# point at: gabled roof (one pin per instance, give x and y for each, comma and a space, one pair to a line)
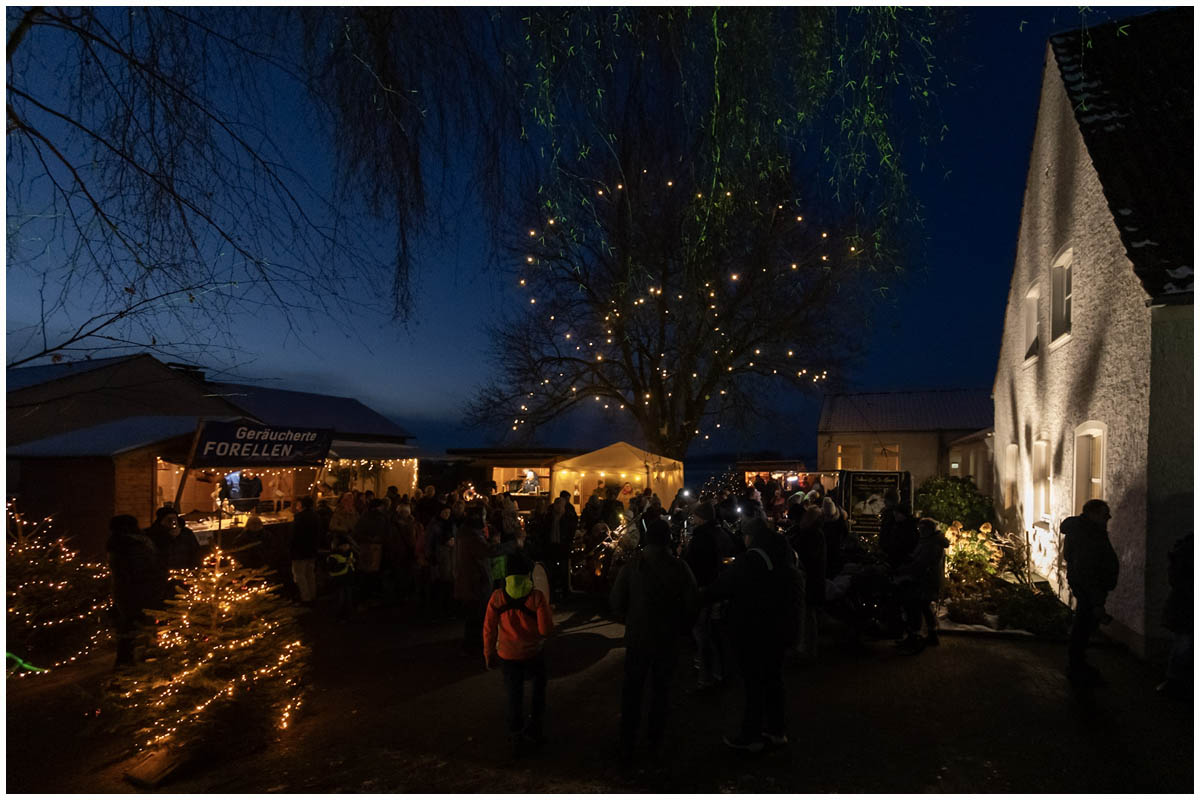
1130, 84
108, 439
945, 410
346, 416
618, 455
24, 377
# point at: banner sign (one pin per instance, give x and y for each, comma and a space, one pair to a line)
864, 497
248, 444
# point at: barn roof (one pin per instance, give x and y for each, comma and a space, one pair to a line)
107, 439
944, 410
1130, 84
347, 417
24, 377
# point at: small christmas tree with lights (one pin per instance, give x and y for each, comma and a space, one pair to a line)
225, 667
56, 602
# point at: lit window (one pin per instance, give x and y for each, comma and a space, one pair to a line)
1041, 481
1089, 463
1010, 476
849, 456
887, 457
1060, 296
1029, 322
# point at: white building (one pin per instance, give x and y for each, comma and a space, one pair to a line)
1094, 387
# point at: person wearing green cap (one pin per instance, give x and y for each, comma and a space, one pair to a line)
515, 627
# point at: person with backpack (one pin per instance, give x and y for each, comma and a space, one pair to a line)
655, 595
766, 593
515, 626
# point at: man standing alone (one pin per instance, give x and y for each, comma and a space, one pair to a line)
1092, 569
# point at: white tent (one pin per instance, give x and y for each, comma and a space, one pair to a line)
618, 463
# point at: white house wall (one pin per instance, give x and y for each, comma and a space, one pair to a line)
1099, 371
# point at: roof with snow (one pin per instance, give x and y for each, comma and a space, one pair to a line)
24, 377
346, 416
945, 410
1130, 84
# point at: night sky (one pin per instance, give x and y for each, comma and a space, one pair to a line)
942, 331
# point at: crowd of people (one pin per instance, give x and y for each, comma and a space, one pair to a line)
748, 582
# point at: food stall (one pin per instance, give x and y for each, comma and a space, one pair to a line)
791, 475
525, 473
229, 469
618, 463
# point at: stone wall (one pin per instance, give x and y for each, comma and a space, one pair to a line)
1099, 371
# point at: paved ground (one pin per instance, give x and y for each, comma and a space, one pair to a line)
394, 707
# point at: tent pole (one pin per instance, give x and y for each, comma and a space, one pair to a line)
187, 467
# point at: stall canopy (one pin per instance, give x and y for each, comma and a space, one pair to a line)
618, 463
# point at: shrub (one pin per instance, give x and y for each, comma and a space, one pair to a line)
1040, 613
949, 499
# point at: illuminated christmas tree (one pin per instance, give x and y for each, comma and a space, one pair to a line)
56, 602
225, 665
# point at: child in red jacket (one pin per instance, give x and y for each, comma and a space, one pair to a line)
517, 622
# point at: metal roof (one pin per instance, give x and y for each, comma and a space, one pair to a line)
944, 410
24, 377
1130, 84
108, 439
346, 416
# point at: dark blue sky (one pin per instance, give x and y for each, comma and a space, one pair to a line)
943, 330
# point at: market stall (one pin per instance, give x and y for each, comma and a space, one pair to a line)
618, 463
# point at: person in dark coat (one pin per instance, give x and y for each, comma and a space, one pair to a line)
177, 546
612, 510
473, 555
897, 530
836, 530
1092, 571
371, 533
756, 584
564, 522
807, 538
138, 582
655, 596
1179, 617
919, 580
306, 538
707, 551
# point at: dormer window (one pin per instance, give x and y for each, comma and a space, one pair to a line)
1060, 295
1029, 322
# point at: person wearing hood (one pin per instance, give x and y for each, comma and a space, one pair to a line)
757, 585
655, 596
920, 581
139, 581
516, 624
897, 530
1092, 571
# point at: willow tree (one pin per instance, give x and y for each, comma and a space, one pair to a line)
714, 200
171, 170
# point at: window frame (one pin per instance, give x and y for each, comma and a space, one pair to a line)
1011, 461
1042, 483
1061, 293
1095, 434
1030, 337
857, 447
